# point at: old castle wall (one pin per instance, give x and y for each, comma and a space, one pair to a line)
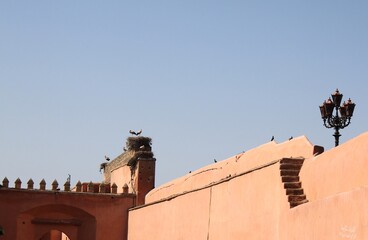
252, 196
276, 191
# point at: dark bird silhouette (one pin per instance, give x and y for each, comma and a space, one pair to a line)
290, 138
107, 158
215, 160
102, 166
273, 138
190, 171
135, 133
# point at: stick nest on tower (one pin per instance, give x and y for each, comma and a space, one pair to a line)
139, 143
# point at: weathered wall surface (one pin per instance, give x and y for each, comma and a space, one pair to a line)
135, 168
338, 170
121, 176
29, 214
184, 217
247, 206
336, 185
342, 216
232, 199
230, 210
243, 197
233, 166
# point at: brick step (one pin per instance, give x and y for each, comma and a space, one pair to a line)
289, 172
290, 179
296, 198
294, 191
297, 203
292, 160
291, 166
288, 185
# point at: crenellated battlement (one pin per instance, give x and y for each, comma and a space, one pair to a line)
85, 187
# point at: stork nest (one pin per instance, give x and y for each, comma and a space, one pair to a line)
136, 143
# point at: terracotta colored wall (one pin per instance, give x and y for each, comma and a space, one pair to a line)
337, 170
342, 216
142, 181
175, 219
29, 214
245, 202
243, 197
121, 176
336, 184
233, 166
248, 205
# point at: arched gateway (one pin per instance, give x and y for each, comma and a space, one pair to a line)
56, 222
55, 235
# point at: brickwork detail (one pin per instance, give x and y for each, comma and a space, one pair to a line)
289, 171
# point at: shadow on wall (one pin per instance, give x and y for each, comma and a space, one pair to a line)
55, 235
69, 221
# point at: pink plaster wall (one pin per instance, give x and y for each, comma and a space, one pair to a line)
121, 176
338, 170
341, 216
185, 217
245, 206
233, 166
243, 197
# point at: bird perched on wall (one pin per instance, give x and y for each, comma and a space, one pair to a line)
272, 138
135, 133
107, 158
290, 138
103, 166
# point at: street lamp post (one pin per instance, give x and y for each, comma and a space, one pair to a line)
336, 121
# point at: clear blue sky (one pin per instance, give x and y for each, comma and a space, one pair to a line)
204, 79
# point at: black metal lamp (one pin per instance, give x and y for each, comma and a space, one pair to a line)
335, 121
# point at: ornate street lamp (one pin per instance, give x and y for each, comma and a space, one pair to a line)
335, 121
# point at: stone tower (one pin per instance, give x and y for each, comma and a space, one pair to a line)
134, 168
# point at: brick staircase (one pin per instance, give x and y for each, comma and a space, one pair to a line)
289, 170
